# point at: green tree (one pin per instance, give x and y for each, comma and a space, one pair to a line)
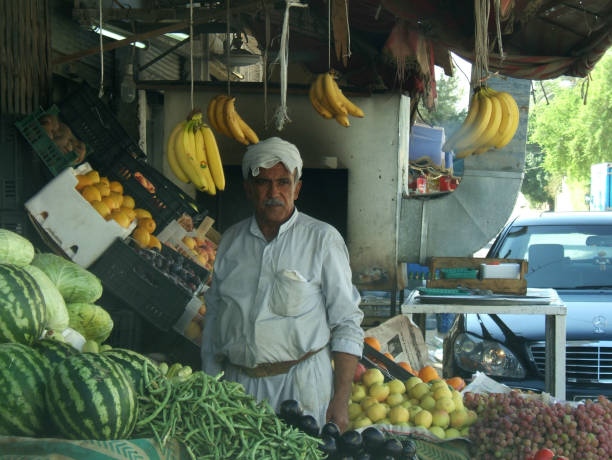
573, 135
538, 186
446, 113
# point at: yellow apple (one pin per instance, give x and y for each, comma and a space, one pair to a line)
423, 418
359, 392
372, 376
445, 404
472, 416
412, 381
440, 418
380, 391
441, 392
362, 422
367, 402
458, 418
397, 386
451, 433
437, 431
427, 402
394, 399
354, 411
376, 412
419, 390
398, 414
413, 411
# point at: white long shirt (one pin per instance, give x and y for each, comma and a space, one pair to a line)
275, 301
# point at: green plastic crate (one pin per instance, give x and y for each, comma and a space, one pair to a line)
42, 144
458, 273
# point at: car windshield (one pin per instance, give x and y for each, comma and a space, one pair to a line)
562, 256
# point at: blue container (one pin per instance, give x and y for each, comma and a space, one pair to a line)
444, 321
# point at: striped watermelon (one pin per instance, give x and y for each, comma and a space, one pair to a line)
54, 351
133, 364
23, 312
88, 396
23, 372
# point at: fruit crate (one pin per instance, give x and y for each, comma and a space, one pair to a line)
127, 329
390, 369
42, 144
141, 285
92, 121
150, 189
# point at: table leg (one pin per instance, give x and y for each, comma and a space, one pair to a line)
555, 356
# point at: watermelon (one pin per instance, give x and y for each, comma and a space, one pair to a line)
88, 396
15, 249
23, 312
54, 351
23, 372
133, 364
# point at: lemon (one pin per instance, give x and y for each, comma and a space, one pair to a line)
120, 217
101, 207
141, 236
142, 213
115, 187
91, 193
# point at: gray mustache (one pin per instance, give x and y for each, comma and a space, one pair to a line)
273, 202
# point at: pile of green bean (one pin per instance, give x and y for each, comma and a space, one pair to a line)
216, 419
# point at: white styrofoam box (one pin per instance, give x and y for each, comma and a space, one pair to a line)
427, 142
507, 271
190, 314
71, 222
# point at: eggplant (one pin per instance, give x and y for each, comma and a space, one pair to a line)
308, 424
290, 411
329, 446
373, 439
331, 429
351, 442
363, 455
392, 447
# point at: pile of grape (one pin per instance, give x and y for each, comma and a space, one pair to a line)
515, 426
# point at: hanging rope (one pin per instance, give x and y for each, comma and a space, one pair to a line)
101, 91
281, 116
481, 40
227, 44
500, 46
329, 35
191, 48
348, 31
265, 66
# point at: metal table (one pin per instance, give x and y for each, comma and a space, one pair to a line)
536, 302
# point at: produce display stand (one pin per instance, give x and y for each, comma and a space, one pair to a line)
536, 302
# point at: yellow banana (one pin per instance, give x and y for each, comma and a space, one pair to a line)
494, 120
171, 153
479, 125
231, 120
506, 118
320, 108
220, 114
247, 130
343, 120
211, 114
514, 121
201, 157
464, 153
332, 95
465, 126
213, 157
319, 93
351, 108
186, 159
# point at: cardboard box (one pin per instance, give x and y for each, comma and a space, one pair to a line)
71, 222
191, 323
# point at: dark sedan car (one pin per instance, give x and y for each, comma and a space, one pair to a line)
572, 253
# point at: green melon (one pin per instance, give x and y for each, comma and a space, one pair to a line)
88, 396
23, 312
15, 249
23, 372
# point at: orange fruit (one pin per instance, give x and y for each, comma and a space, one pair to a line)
101, 207
128, 202
142, 213
148, 224
372, 342
94, 176
202, 309
116, 186
390, 356
456, 382
141, 236
83, 181
120, 217
428, 373
91, 193
104, 189
154, 243
407, 366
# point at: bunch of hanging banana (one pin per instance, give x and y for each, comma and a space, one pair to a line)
193, 155
224, 119
491, 122
328, 100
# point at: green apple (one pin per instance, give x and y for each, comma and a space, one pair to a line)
397, 386
394, 399
445, 404
458, 418
451, 433
437, 431
423, 418
372, 376
427, 402
359, 392
398, 414
412, 381
380, 391
419, 390
440, 418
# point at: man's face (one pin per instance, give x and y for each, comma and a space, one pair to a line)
273, 193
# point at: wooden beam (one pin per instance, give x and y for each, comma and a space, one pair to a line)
210, 16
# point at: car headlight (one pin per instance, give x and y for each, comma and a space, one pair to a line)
475, 354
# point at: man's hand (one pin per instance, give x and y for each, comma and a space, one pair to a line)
344, 370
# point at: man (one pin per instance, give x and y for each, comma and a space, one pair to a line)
281, 302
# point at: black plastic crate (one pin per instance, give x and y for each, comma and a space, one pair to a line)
127, 329
150, 189
140, 285
15, 221
93, 122
42, 144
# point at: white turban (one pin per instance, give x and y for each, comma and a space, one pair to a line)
269, 152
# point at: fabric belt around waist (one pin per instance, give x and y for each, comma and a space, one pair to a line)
270, 369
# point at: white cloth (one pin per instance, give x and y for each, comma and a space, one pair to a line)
275, 301
269, 152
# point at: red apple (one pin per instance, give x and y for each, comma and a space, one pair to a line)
359, 371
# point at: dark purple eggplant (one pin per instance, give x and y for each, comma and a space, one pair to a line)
351, 442
392, 447
408, 449
329, 446
373, 439
331, 429
308, 424
290, 411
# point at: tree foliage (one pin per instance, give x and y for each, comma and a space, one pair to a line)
446, 113
539, 186
573, 135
